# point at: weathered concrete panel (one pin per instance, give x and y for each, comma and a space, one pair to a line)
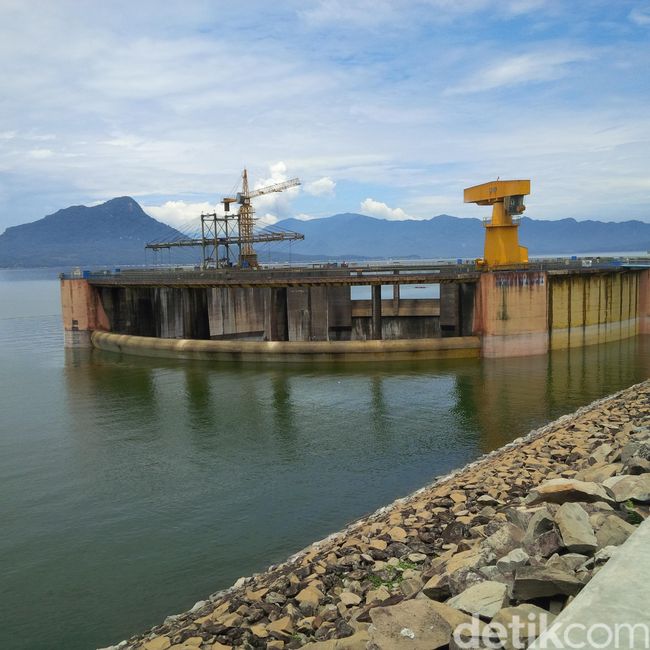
298, 314
236, 312
275, 315
644, 302
376, 312
130, 310
467, 298
395, 328
319, 322
449, 309
82, 312
595, 308
511, 313
195, 314
339, 306
169, 306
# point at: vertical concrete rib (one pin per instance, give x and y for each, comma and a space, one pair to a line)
376, 312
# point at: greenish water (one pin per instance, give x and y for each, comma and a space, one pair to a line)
130, 488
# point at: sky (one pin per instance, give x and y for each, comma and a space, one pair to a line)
384, 107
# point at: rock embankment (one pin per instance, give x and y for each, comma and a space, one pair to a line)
515, 534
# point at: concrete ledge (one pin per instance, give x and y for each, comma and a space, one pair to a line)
581, 336
515, 345
618, 595
290, 351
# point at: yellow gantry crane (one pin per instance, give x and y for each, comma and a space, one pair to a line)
246, 215
501, 232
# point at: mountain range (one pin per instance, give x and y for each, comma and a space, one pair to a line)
115, 232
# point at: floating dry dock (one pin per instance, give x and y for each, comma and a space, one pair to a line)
308, 313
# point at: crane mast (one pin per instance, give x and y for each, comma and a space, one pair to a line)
246, 215
218, 231
248, 255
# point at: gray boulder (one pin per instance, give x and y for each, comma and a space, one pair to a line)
575, 529
410, 625
626, 488
562, 490
484, 599
541, 581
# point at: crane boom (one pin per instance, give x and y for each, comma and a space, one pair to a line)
277, 187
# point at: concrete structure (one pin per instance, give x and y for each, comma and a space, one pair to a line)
82, 312
612, 611
286, 351
508, 312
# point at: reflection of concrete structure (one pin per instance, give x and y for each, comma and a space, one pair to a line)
530, 391
309, 314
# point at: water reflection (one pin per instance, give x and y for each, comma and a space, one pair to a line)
201, 406
492, 400
107, 392
133, 486
284, 416
504, 397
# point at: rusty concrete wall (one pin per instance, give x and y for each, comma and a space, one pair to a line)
644, 302
276, 327
339, 313
298, 314
130, 310
516, 313
586, 309
163, 312
395, 328
307, 314
237, 312
319, 322
82, 312
450, 317
511, 313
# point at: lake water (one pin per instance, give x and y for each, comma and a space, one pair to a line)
131, 488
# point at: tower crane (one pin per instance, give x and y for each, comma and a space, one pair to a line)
218, 234
245, 215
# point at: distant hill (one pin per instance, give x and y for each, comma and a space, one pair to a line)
448, 237
114, 234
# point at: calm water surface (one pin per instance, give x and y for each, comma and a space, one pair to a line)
130, 488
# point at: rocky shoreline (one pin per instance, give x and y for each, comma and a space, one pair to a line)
517, 533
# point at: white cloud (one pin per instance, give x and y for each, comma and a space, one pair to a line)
641, 16
521, 69
358, 14
517, 7
381, 210
40, 154
322, 187
275, 205
266, 220
179, 213
160, 105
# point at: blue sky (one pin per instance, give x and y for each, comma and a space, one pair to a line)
389, 108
